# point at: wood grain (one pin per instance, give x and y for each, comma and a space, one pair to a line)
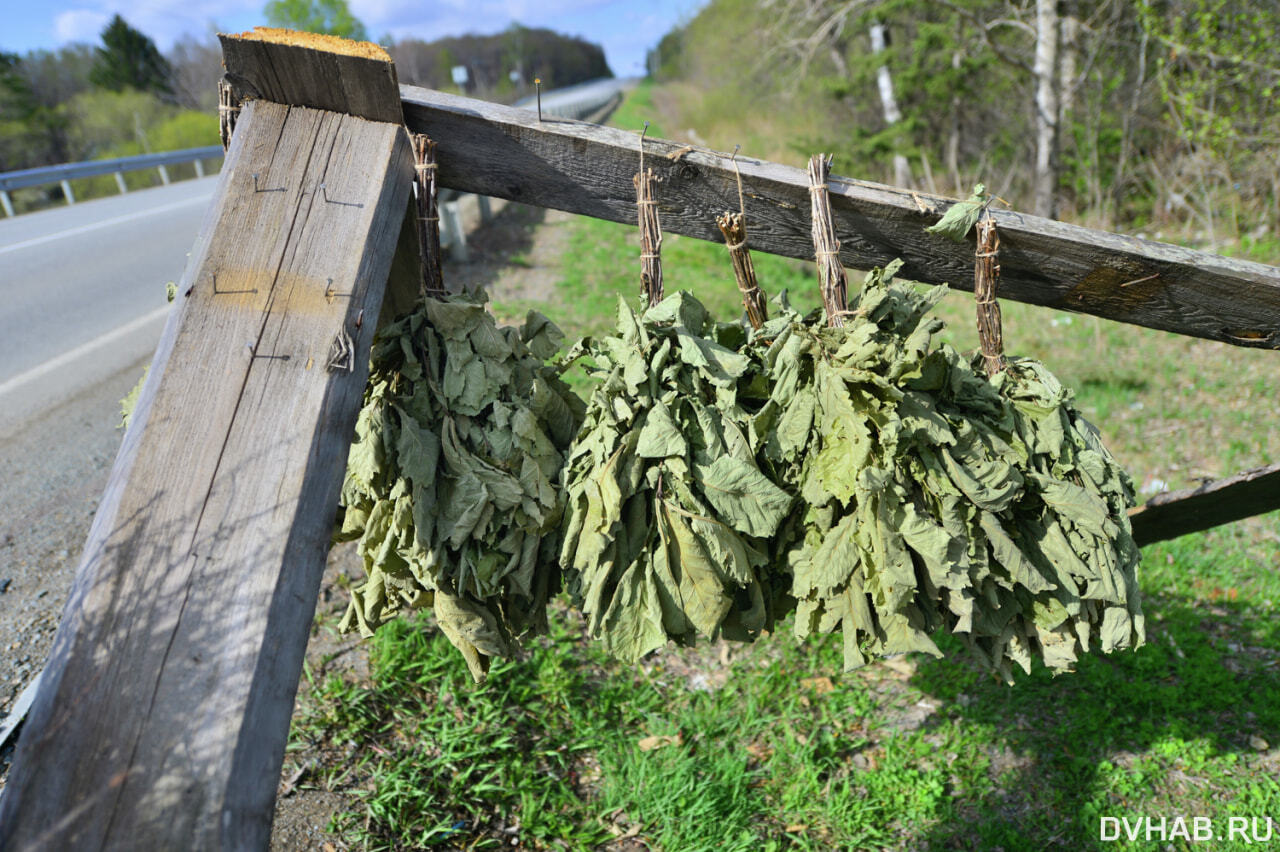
1222, 501
303, 70
164, 711
582, 168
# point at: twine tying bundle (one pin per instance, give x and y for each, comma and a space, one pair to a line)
650, 236
228, 112
986, 276
831, 275
424, 156
734, 228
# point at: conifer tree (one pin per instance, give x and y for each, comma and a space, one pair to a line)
129, 59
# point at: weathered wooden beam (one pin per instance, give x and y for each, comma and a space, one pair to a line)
1222, 501
164, 708
582, 168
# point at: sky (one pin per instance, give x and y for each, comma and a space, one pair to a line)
625, 28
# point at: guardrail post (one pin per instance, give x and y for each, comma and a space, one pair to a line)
164, 175
8, 205
66, 191
457, 237
199, 168
120, 183
486, 212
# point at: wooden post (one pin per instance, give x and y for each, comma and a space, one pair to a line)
456, 240
164, 708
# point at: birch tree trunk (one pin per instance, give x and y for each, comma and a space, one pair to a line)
1068, 60
892, 115
1046, 108
953, 133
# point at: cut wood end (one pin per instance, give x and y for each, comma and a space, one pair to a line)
311, 70
314, 41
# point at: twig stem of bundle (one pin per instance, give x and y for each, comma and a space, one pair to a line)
734, 228
228, 112
424, 158
650, 237
986, 277
826, 247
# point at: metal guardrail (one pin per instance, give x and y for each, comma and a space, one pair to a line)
574, 102
577, 101
92, 168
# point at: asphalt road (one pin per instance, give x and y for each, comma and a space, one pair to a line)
82, 290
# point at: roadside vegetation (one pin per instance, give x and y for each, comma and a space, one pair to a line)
122, 96
1150, 117
770, 746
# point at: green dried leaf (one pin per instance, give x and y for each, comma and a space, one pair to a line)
960, 218
743, 496
660, 437
702, 596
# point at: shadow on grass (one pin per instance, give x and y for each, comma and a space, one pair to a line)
1170, 730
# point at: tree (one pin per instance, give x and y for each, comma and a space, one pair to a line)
197, 67
129, 59
332, 17
17, 102
1045, 69
556, 59
18, 108
1219, 79
892, 115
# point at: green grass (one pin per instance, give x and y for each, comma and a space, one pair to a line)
637, 108
601, 260
769, 747
777, 750
602, 264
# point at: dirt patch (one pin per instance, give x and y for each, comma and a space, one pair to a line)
303, 807
515, 256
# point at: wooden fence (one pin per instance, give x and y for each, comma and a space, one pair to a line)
162, 715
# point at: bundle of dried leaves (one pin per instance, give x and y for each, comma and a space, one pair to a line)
453, 483
668, 515
933, 498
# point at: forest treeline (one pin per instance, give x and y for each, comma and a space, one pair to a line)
502, 66
1154, 113
123, 96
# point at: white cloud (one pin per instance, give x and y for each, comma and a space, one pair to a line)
164, 21
79, 25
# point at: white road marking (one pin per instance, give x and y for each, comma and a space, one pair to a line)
105, 223
82, 350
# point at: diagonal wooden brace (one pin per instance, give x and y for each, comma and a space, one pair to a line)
164, 708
